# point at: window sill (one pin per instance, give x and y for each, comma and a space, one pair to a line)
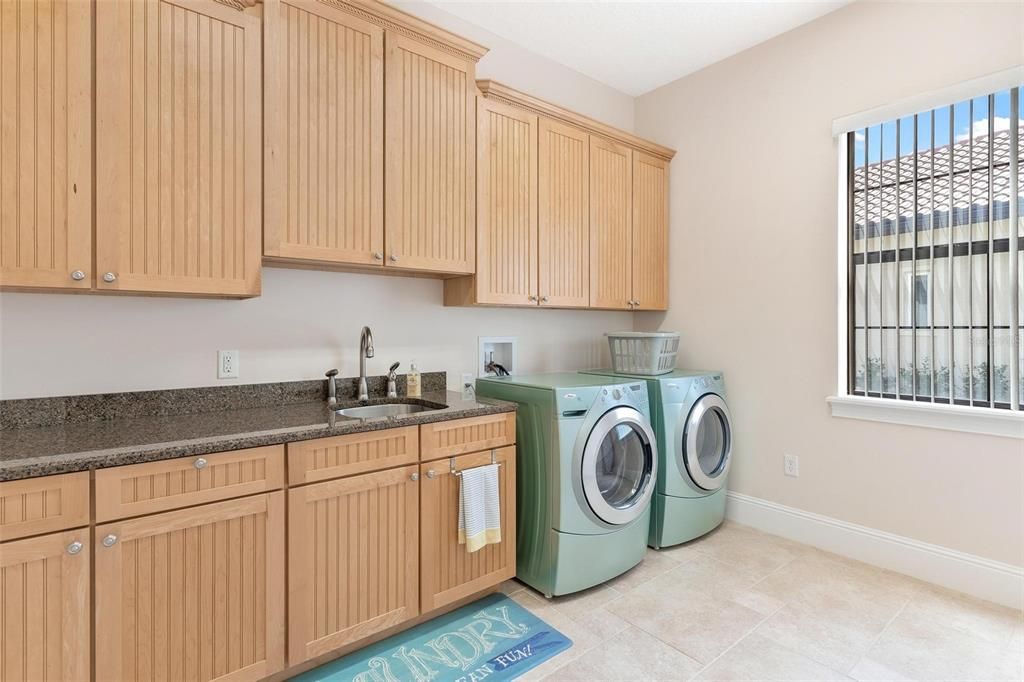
984, 420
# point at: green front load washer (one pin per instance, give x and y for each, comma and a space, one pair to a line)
694, 429
586, 470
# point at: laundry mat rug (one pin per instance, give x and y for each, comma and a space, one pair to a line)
491, 639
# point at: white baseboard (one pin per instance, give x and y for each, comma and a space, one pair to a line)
967, 573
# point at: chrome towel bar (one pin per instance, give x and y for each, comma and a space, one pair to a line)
456, 472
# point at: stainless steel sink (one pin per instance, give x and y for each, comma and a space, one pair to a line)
386, 410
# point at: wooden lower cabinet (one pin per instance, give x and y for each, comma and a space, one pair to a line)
33, 506
44, 606
194, 594
448, 571
198, 593
353, 559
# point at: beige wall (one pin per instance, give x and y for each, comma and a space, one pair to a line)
753, 266
305, 322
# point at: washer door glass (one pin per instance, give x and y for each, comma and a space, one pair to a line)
707, 442
619, 466
623, 464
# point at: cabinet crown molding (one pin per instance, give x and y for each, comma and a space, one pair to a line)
500, 92
393, 19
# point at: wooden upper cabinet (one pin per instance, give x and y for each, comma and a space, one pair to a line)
44, 599
194, 594
46, 144
506, 204
324, 164
564, 216
594, 248
611, 216
429, 172
650, 232
353, 559
178, 147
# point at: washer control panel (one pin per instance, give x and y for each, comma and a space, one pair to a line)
578, 401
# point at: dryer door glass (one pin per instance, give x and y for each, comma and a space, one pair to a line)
707, 442
619, 466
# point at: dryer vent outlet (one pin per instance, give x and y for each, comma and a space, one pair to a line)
791, 465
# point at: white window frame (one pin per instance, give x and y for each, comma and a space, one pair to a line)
983, 420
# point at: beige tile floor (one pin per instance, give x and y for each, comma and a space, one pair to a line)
739, 604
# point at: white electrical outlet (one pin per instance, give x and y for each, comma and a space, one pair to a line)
468, 386
791, 465
227, 364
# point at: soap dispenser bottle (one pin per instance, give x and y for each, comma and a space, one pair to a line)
412, 382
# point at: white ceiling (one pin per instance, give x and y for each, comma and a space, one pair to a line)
635, 45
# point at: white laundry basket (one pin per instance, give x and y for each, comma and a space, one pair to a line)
649, 353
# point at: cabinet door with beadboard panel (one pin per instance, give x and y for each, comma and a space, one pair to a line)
320, 459
449, 572
564, 232
506, 266
44, 607
46, 144
193, 594
430, 158
650, 232
353, 559
460, 436
178, 147
324, 172
611, 217
151, 487
33, 506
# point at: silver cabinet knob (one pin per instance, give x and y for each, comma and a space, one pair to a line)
431, 473
78, 275
110, 540
531, 298
393, 258
543, 299
109, 277
200, 463
75, 547
636, 302
377, 255
415, 477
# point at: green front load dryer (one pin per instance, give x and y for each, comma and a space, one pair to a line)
694, 428
586, 471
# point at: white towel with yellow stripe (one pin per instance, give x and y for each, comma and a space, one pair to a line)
479, 507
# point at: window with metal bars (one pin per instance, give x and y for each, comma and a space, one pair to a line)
936, 274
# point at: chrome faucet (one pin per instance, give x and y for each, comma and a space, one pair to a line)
392, 378
332, 388
365, 351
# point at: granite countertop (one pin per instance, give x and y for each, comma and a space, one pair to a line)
68, 447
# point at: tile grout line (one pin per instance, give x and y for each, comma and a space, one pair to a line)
740, 639
875, 640
733, 645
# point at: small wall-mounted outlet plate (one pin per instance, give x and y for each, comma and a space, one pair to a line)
791, 465
468, 386
227, 364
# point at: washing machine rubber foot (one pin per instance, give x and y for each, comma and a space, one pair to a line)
548, 596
